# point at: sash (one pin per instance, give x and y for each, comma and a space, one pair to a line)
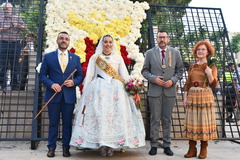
108, 69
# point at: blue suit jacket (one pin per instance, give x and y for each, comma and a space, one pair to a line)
51, 72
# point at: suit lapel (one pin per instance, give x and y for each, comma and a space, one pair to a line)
55, 59
157, 56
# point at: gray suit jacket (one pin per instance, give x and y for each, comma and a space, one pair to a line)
153, 67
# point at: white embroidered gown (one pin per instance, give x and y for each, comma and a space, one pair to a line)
110, 117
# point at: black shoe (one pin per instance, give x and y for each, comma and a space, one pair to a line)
66, 152
153, 151
230, 119
51, 152
168, 151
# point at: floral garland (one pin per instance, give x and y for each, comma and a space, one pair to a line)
87, 21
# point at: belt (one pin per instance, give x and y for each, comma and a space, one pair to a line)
199, 84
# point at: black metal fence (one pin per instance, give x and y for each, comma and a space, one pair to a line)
186, 26
17, 68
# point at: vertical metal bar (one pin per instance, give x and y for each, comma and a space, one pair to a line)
150, 45
150, 29
39, 57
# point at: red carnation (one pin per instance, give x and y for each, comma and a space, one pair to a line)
124, 54
72, 50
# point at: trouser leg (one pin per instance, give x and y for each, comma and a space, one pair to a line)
167, 109
54, 110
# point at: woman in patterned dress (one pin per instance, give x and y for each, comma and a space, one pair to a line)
107, 118
200, 121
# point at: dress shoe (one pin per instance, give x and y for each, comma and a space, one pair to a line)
66, 152
153, 151
168, 151
230, 119
51, 152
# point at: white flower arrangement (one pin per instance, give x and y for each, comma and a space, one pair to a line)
81, 18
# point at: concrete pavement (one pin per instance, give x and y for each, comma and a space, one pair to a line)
20, 150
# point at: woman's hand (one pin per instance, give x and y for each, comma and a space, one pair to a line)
185, 99
208, 71
184, 102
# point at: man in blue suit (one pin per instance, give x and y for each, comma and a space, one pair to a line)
54, 72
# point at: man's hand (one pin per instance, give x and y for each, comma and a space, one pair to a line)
162, 83
56, 87
168, 84
159, 80
69, 83
22, 28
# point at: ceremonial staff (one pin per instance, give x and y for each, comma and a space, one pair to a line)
54, 95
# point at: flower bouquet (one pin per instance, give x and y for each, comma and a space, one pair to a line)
210, 62
133, 88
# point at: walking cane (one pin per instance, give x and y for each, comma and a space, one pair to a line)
53, 95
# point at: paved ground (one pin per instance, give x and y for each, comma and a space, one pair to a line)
20, 150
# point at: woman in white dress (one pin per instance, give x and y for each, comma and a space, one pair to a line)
106, 117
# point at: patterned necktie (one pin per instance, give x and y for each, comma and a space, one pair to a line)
163, 56
63, 61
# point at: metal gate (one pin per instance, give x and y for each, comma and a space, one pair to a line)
17, 102
186, 26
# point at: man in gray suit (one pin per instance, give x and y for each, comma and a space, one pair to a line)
163, 67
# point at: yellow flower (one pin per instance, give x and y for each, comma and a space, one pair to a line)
80, 47
118, 46
119, 18
99, 30
111, 26
94, 37
116, 26
82, 54
99, 16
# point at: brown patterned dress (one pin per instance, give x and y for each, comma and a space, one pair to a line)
200, 120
